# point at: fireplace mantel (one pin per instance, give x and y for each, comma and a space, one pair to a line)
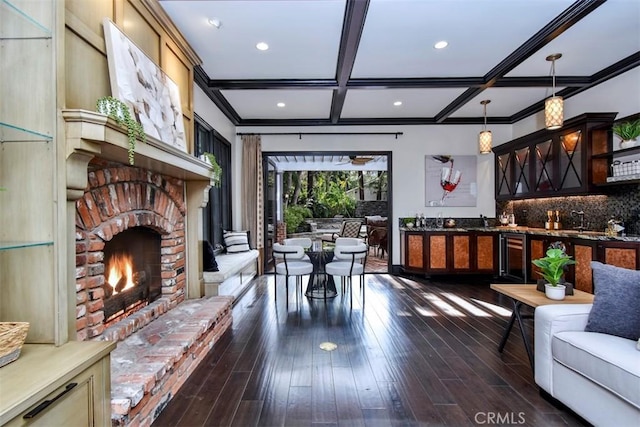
93, 134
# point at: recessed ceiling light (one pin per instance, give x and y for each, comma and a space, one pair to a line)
441, 44
262, 46
215, 22
397, 103
281, 104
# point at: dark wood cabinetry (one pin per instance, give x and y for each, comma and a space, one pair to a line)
618, 253
549, 163
448, 252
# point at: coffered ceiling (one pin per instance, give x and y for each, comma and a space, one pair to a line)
345, 62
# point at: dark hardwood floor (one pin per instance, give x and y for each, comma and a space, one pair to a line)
419, 353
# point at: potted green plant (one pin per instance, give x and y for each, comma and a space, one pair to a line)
552, 270
628, 132
215, 167
120, 112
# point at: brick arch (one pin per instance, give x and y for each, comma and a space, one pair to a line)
123, 196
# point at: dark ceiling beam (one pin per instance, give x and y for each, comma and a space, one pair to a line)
273, 84
202, 80
630, 62
415, 83
542, 81
354, 17
396, 83
614, 70
374, 121
553, 29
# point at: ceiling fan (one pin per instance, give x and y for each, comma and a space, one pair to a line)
358, 160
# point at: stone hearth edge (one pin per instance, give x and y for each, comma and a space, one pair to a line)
150, 366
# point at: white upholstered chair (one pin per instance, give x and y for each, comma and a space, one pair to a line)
290, 262
348, 261
305, 242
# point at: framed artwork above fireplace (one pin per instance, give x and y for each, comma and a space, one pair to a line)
151, 95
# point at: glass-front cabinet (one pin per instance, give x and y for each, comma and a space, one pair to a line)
521, 167
551, 163
504, 179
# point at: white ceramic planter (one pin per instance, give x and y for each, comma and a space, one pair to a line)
629, 143
554, 292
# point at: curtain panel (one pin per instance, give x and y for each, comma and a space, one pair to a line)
253, 199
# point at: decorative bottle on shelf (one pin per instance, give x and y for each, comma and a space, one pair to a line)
556, 224
548, 224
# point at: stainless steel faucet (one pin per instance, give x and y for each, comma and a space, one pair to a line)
581, 216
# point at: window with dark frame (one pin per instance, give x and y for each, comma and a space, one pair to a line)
217, 213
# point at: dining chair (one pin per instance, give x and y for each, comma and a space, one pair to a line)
291, 263
305, 242
348, 262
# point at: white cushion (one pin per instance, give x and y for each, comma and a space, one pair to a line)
236, 241
342, 268
607, 360
295, 268
230, 264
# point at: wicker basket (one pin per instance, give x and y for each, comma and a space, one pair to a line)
12, 336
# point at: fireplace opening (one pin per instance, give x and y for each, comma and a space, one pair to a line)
132, 272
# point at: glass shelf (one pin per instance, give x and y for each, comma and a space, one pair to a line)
17, 24
11, 133
8, 245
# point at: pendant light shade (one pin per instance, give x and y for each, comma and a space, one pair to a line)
553, 106
485, 138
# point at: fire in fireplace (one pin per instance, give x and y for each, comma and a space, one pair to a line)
132, 272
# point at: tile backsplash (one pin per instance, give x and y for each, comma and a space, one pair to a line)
621, 202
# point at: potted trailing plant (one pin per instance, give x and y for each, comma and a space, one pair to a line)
628, 132
215, 167
552, 270
120, 112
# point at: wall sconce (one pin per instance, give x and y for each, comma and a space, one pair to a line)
554, 106
485, 138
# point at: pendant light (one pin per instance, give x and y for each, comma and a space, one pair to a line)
553, 107
485, 138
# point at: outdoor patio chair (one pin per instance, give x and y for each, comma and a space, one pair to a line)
349, 228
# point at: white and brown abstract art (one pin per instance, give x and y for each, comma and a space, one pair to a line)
151, 95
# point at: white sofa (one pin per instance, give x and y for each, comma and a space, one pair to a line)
595, 375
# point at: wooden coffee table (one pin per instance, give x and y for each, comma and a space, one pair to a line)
528, 295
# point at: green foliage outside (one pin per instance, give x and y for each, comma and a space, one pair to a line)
333, 200
294, 216
331, 193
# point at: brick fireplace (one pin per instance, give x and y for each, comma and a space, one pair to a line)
123, 200
159, 202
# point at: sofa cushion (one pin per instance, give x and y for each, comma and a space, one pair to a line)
616, 301
609, 361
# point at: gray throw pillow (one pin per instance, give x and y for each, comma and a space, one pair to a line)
616, 302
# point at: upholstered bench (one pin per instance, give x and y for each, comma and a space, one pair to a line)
234, 273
